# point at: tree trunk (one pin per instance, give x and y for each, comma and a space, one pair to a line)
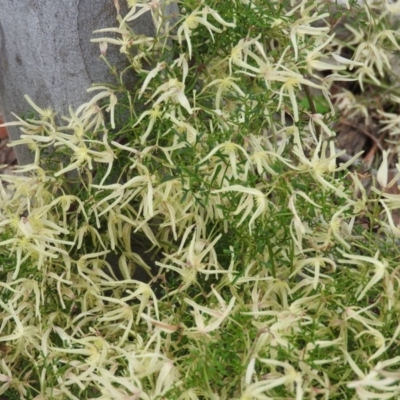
46, 53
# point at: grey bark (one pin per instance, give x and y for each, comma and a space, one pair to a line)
46, 53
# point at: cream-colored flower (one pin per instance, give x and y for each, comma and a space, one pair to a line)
193, 20
175, 91
303, 26
106, 92
383, 382
151, 75
189, 130
290, 378
230, 149
382, 175
218, 315
251, 197
380, 267
127, 39
224, 85
47, 114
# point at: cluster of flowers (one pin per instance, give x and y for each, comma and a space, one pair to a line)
266, 287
